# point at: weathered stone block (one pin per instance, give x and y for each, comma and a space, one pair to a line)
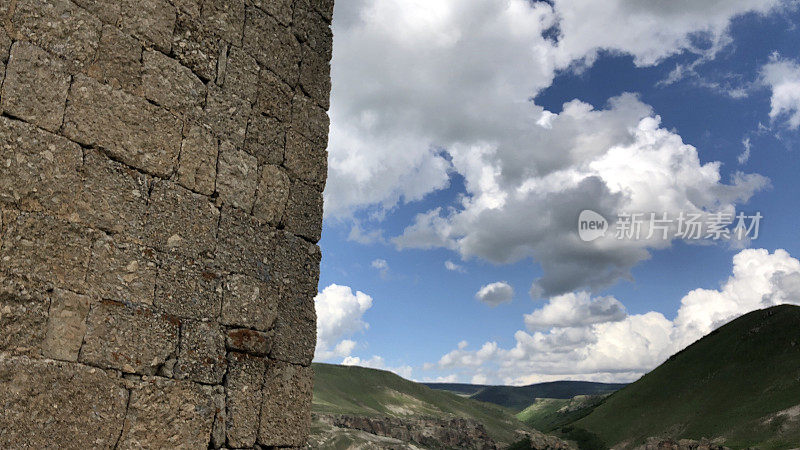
226, 18
243, 245
132, 130
306, 160
5, 41
286, 407
35, 87
281, 10
324, 7
241, 74
150, 20
274, 97
168, 414
66, 325
23, 315
118, 62
227, 115
188, 290
297, 267
294, 334
249, 302
315, 76
244, 398
40, 247
249, 341
296, 264
304, 211
237, 177
113, 196
272, 195
38, 170
197, 169
179, 220
90, 405
310, 119
108, 11
128, 338
201, 357
58, 26
266, 139
171, 85
196, 47
313, 29
272, 44
122, 271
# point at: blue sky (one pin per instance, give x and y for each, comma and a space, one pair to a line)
471, 135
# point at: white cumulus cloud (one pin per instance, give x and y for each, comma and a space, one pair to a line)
339, 315
782, 76
494, 294
426, 89
575, 310
610, 346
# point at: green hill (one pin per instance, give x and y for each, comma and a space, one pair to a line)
458, 388
518, 398
741, 383
369, 392
548, 414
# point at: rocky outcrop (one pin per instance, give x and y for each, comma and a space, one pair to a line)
426, 432
682, 444
162, 164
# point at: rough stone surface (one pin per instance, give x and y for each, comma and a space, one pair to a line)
58, 26
186, 289
197, 169
273, 45
132, 130
227, 115
249, 302
304, 159
249, 341
238, 177
47, 250
66, 325
304, 211
285, 411
127, 338
89, 405
181, 221
272, 195
202, 354
161, 170
113, 196
23, 315
122, 271
35, 87
244, 385
169, 84
266, 139
38, 170
118, 62
168, 414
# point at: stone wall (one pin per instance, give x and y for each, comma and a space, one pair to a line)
161, 172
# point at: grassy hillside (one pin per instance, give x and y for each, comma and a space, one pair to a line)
458, 388
548, 414
741, 382
370, 392
518, 398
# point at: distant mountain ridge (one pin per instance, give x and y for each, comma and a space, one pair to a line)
517, 398
354, 406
